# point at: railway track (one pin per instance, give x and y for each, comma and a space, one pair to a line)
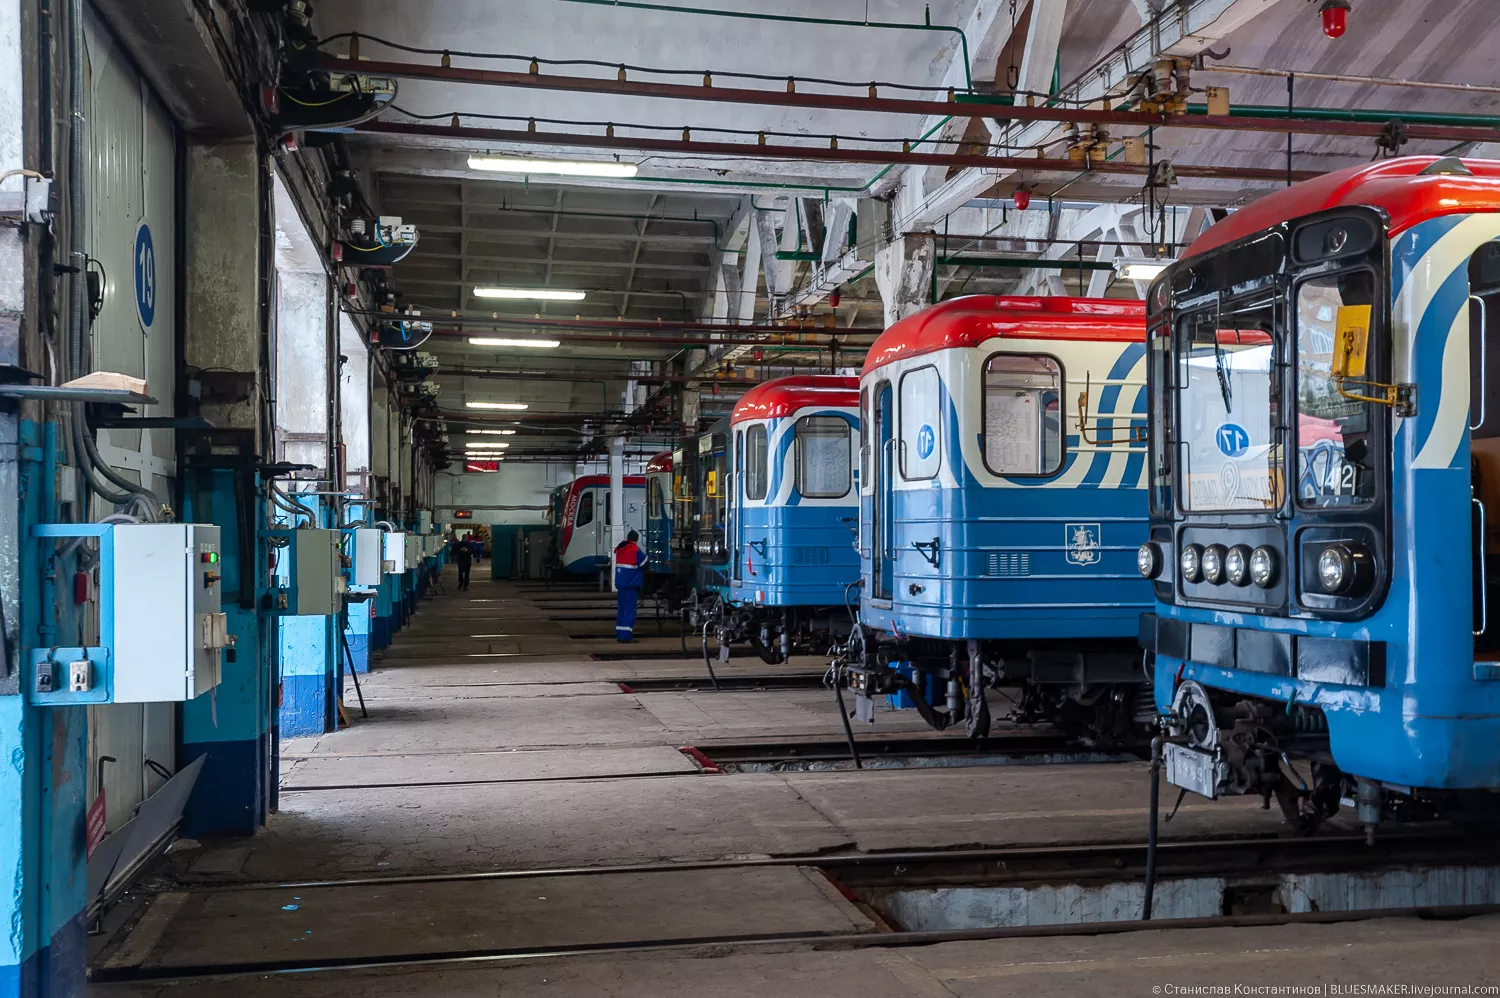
864, 877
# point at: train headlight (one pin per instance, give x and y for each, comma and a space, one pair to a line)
1148, 560
1263, 567
1191, 562
1344, 569
1237, 565
1213, 563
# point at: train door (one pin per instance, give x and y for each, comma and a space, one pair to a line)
882, 558
1484, 444
737, 503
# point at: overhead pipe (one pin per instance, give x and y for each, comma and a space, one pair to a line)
977, 105
833, 154
659, 340
560, 322
1376, 81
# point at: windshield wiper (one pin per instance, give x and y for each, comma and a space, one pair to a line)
1221, 367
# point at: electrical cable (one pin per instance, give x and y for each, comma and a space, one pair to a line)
625, 66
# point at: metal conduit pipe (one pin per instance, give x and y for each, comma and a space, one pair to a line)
667, 341
835, 154
560, 322
1377, 116
963, 39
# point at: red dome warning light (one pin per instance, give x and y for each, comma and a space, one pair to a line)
1022, 198
1335, 17
834, 297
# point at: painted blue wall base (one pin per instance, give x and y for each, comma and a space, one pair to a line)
304, 705
359, 650
224, 801
57, 970
380, 633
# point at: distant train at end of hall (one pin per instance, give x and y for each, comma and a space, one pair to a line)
582, 516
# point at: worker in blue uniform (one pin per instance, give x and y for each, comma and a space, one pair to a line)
629, 577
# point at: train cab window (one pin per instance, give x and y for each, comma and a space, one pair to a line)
824, 461
1334, 458
919, 416
755, 462
865, 419
655, 507
1023, 414
1229, 408
609, 513
585, 514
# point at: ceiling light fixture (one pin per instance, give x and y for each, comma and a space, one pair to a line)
505, 341
1141, 269
528, 294
497, 405
556, 167
493, 445
493, 433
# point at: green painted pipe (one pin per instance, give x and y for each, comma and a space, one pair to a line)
963, 39
1354, 114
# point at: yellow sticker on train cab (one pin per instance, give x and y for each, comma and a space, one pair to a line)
1351, 341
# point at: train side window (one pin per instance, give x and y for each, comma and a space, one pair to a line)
653, 498
824, 465
1023, 414
755, 462
609, 511
585, 510
920, 418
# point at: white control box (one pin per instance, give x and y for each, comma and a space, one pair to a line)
369, 552
395, 552
413, 552
317, 572
163, 625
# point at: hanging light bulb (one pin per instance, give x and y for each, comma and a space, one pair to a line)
1335, 17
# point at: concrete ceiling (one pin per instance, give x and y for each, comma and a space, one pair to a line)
656, 247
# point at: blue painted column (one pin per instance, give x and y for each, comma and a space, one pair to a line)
233, 725
305, 656
43, 768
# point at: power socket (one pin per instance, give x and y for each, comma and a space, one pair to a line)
80, 676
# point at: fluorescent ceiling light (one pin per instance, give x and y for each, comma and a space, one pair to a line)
558, 167
493, 433
504, 341
528, 294
477, 448
497, 405
1141, 270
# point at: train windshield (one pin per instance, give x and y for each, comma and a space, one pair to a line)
1229, 407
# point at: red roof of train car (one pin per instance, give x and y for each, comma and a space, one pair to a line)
971, 320
585, 481
660, 464
784, 396
1396, 186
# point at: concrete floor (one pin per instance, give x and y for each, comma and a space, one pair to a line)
527, 755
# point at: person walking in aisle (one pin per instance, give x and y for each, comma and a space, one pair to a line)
463, 557
629, 577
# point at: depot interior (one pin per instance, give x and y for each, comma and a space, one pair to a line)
319, 289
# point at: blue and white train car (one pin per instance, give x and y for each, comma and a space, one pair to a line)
583, 517
1325, 447
1002, 503
659, 497
794, 510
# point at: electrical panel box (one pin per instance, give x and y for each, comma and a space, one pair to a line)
162, 634
413, 552
395, 553
424, 521
369, 552
311, 584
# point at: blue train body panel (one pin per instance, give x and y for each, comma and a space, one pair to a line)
796, 494
986, 513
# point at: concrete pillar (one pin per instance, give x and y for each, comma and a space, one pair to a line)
903, 272
233, 727
616, 501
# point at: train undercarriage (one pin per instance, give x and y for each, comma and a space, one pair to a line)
774, 633
1097, 692
1223, 744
